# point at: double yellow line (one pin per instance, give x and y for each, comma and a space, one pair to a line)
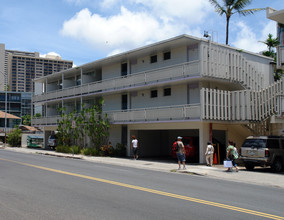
157, 192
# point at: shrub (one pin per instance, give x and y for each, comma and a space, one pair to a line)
68, 149
91, 152
106, 150
120, 150
14, 138
63, 149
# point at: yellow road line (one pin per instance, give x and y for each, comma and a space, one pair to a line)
157, 192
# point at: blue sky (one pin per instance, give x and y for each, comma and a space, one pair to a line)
87, 30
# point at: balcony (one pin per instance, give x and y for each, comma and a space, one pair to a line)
176, 72
167, 113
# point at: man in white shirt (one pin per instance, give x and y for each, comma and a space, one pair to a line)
134, 147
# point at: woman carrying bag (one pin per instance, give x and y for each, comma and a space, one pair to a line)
232, 155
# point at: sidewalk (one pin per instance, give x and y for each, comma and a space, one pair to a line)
217, 171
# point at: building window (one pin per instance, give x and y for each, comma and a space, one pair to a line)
154, 59
167, 55
167, 92
154, 93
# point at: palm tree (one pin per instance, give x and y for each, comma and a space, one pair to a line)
271, 43
231, 7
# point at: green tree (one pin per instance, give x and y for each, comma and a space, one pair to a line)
271, 43
231, 7
14, 138
98, 125
91, 122
26, 120
65, 127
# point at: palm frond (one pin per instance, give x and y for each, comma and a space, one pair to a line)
241, 4
250, 11
218, 8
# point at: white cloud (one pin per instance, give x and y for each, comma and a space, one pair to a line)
138, 22
107, 4
193, 11
50, 53
248, 39
119, 32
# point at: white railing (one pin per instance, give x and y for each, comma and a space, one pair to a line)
230, 65
167, 113
183, 112
49, 120
143, 78
244, 105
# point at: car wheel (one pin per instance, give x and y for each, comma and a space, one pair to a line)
249, 166
277, 165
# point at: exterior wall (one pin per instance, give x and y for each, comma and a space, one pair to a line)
262, 64
115, 135
111, 71
142, 99
112, 102
178, 55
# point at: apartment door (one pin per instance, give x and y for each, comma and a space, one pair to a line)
123, 69
124, 102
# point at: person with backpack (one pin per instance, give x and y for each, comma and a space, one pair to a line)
232, 155
180, 151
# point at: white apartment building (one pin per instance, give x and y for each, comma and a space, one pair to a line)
183, 86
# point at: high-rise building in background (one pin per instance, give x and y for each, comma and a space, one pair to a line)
22, 67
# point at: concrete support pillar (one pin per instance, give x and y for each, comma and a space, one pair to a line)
204, 137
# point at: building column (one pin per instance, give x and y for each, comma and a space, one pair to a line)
204, 137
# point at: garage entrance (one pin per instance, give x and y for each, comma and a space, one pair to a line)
158, 143
219, 139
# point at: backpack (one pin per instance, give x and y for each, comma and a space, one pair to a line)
175, 146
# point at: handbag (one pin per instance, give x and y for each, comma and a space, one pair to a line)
228, 164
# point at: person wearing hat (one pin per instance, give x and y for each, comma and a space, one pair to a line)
180, 153
209, 154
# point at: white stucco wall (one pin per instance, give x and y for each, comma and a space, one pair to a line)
111, 71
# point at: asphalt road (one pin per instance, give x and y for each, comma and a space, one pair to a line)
45, 187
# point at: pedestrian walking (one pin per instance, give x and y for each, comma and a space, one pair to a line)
134, 147
231, 155
180, 153
209, 154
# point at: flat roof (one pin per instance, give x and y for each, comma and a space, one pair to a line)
275, 15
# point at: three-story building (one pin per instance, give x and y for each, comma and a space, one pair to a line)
184, 86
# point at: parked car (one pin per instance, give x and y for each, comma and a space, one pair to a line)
52, 141
263, 151
190, 149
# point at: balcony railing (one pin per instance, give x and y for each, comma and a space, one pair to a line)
245, 105
231, 65
167, 113
143, 78
182, 112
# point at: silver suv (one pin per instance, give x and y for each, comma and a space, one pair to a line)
263, 151
52, 141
